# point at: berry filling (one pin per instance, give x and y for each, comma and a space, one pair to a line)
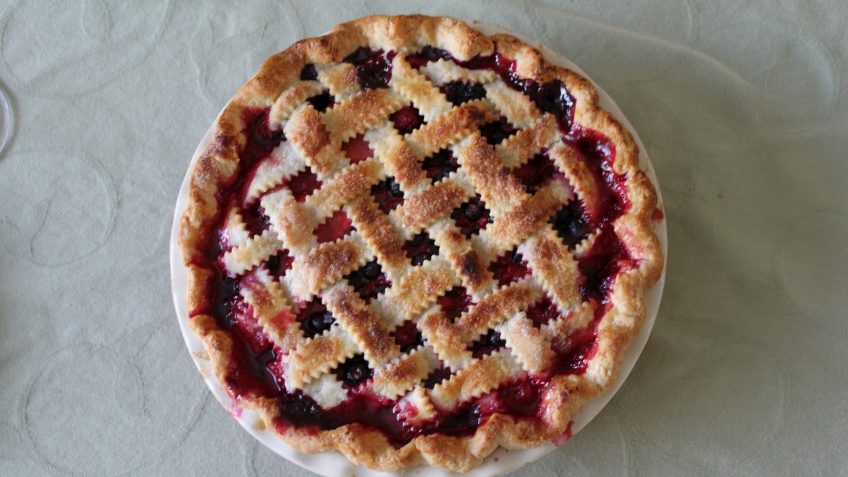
373, 68
426, 55
406, 119
496, 131
245, 323
436, 376
571, 224
303, 184
279, 264
458, 92
454, 302
322, 101
543, 312
309, 73
314, 318
600, 265
509, 267
335, 227
354, 371
357, 149
534, 173
472, 216
261, 140
420, 248
487, 344
369, 280
440, 165
387, 194
255, 220
407, 336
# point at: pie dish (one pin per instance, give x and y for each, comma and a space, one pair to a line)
413, 243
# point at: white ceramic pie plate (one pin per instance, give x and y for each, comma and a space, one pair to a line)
334, 464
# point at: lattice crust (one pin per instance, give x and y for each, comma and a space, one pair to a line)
314, 143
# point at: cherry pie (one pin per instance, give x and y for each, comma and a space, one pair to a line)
414, 243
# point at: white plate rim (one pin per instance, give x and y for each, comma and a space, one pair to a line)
334, 464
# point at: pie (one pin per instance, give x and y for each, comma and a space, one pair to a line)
413, 243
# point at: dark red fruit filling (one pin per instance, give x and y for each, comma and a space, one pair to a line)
406, 119
458, 92
314, 318
303, 184
354, 371
357, 149
487, 344
407, 336
309, 73
571, 224
509, 267
255, 220
536, 172
454, 302
440, 165
243, 320
437, 376
426, 55
496, 131
472, 216
600, 265
261, 140
543, 312
373, 67
599, 154
335, 227
322, 101
369, 280
387, 194
279, 264
420, 248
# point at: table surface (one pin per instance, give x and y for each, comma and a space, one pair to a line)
741, 105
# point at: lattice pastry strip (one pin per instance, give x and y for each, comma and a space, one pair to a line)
288, 100
291, 223
364, 327
315, 356
237, 233
443, 71
325, 265
429, 101
283, 163
251, 253
271, 308
515, 106
521, 146
507, 231
404, 373
528, 344
449, 128
340, 79
482, 376
397, 157
553, 267
360, 112
417, 289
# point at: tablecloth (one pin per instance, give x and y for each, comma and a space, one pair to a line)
741, 105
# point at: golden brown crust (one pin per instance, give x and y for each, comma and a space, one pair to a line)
318, 137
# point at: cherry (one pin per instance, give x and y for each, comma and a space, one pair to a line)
406, 119
354, 371
440, 165
458, 92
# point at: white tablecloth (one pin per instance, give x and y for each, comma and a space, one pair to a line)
744, 111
